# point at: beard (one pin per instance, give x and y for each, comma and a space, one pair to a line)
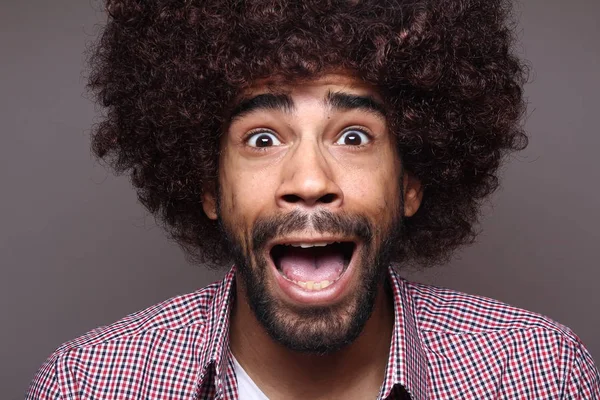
314, 329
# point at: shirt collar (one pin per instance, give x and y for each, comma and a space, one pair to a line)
215, 350
407, 363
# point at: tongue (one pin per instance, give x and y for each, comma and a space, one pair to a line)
315, 264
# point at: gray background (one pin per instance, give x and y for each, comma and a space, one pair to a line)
77, 251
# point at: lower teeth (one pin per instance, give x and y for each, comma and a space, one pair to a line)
311, 285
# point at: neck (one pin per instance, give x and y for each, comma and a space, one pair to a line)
356, 371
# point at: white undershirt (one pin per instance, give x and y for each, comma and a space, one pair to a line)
247, 389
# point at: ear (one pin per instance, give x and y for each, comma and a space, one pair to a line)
209, 202
413, 194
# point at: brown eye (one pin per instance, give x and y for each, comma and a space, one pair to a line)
353, 137
263, 139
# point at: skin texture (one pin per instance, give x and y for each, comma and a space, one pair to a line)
311, 169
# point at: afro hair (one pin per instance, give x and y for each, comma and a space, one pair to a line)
166, 71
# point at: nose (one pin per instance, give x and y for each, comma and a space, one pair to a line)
307, 180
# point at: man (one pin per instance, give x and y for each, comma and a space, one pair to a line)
318, 147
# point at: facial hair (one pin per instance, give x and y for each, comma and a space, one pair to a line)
314, 329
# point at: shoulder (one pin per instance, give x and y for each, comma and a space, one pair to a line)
449, 311
494, 340
173, 332
185, 312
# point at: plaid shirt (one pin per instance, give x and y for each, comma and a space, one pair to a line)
445, 345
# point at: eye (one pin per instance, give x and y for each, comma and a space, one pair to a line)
262, 139
354, 137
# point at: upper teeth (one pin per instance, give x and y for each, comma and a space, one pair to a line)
306, 245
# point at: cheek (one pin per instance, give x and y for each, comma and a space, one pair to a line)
245, 195
375, 195
374, 190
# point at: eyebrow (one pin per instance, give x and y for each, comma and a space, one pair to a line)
265, 101
284, 103
346, 101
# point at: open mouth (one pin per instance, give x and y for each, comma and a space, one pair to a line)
312, 266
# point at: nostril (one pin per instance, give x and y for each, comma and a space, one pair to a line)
291, 198
325, 199
328, 198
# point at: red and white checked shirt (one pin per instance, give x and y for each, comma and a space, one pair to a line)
445, 345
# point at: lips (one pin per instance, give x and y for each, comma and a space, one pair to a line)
313, 271
312, 266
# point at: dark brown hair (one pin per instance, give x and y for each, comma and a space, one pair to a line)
167, 70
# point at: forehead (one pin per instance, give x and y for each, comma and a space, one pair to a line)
312, 87
335, 92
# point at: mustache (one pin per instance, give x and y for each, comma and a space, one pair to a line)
322, 221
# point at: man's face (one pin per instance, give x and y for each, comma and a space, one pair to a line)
310, 198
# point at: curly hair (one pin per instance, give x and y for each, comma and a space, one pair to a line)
166, 71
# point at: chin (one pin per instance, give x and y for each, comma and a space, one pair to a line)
313, 320
311, 280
